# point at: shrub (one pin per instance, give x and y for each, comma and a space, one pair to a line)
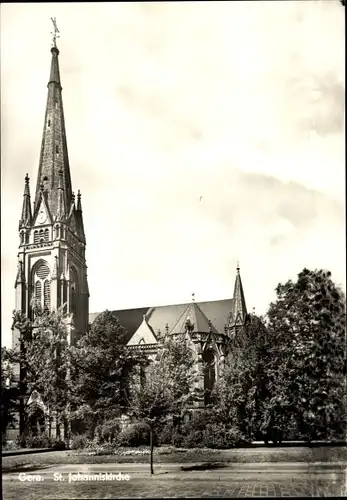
165, 435
39, 441
58, 444
108, 431
10, 445
21, 440
134, 435
79, 441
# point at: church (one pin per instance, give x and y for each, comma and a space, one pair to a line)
52, 268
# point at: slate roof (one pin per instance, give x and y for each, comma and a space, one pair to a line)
217, 311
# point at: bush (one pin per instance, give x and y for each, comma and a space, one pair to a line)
10, 445
39, 441
134, 435
108, 432
58, 444
21, 440
79, 441
165, 435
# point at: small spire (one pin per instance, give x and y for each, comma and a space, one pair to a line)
238, 267
79, 204
193, 297
166, 328
20, 279
253, 311
225, 329
26, 217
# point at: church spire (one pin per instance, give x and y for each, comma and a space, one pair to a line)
26, 209
54, 154
239, 311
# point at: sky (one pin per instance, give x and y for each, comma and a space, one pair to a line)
199, 133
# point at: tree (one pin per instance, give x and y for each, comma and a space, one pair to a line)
43, 357
167, 388
101, 369
307, 363
239, 394
9, 393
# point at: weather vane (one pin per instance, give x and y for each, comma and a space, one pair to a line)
55, 31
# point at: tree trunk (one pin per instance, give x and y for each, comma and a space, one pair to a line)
151, 444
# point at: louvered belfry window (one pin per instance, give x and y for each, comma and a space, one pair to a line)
42, 286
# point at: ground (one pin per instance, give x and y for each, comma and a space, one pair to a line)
231, 473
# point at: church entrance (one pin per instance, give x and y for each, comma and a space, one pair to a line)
36, 421
209, 360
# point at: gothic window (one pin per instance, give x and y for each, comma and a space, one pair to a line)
73, 291
41, 236
22, 237
47, 295
27, 238
49, 123
56, 231
46, 233
57, 149
209, 374
42, 285
36, 237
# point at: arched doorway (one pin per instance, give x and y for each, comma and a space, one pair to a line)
209, 360
36, 420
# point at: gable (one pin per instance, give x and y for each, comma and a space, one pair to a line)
143, 335
42, 215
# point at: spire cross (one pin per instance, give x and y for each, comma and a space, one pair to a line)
55, 31
193, 297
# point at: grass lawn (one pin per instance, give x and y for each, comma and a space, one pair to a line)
239, 455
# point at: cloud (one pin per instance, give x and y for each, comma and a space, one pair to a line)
238, 102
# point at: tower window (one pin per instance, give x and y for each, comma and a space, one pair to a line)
42, 288
47, 295
56, 103
46, 235
57, 149
49, 123
36, 237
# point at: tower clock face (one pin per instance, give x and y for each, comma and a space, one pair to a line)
42, 217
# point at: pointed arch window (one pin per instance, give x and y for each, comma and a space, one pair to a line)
209, 374
36, 237
73, 290
42, 285
46, 234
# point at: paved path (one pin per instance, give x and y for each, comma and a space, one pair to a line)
230, 480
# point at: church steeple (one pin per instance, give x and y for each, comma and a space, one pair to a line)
54, 154
239, 310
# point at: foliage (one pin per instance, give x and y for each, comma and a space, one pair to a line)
58, 444
39, 441
79, 441
43, 356
137, 434
108, 431
167, 388
102, 370
306, 365
9, 393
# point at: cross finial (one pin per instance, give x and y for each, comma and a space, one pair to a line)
238, 267
55, 31
193, 297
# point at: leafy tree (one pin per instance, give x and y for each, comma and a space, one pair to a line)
102, 368
238, 396
307, 363
167, 388
43, 357
9, 393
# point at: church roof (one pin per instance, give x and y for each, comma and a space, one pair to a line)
196, 317
216, 311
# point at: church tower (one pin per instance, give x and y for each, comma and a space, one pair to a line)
52, 268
